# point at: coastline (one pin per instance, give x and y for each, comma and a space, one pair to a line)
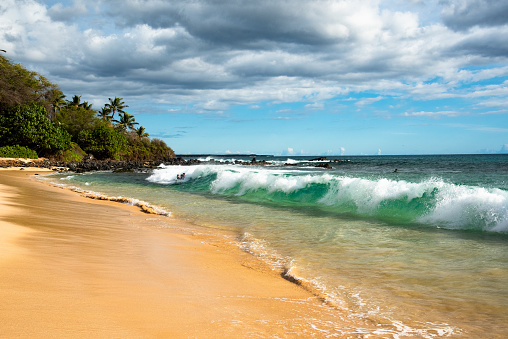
80, 267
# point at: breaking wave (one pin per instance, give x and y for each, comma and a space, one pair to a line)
431, 201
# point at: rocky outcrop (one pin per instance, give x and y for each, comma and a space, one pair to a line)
23, 163
327, 166
121, 166
319, 159
92, 165
253, 162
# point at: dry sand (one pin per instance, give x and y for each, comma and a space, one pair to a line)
75, 267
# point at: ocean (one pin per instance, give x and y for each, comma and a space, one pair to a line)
417, 245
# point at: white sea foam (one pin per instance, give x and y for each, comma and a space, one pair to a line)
463, 205
168, 174
145, 206
260, 249
251, 180
221, 160
367, 195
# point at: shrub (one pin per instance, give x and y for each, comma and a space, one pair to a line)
103, 142
17, 152
160, 150
74, 119
29, 126
74, 153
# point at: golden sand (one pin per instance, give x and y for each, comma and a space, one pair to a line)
73, 267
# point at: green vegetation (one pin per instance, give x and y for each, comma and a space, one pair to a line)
19, 86
17, 151
35, 118
103, 142
29, 126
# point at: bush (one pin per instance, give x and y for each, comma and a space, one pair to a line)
17, 152
160, 150
103, 142
142, 149
74, 153
75, 119
29, 126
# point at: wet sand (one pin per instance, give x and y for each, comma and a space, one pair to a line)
77, 267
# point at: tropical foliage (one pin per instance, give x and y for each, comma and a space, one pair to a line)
17, 151
103, 142
30, 126
126, 121
56, 104
74, 119
116, 105
19, 86
141, 133
35, 116
104, 114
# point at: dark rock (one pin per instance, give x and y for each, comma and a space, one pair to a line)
319, 159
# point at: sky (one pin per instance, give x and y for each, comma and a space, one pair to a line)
282, 77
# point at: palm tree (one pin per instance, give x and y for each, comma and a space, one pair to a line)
86, 105
116, 105
126, 121
76, 101
141, 132
104, 113
57, 103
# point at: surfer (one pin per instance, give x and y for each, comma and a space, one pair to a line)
178, 177
396, 171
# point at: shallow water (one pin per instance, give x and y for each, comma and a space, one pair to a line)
420, 252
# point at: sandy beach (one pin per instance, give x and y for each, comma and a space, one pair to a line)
77, 267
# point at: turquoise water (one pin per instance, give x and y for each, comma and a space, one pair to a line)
419, 252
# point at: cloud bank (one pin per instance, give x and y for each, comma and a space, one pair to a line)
246, 52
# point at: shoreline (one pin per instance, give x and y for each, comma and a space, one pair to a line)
90, 165
81, 267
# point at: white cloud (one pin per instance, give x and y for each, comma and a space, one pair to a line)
315, 106
368, 101
437, 114
490, 90
289, 151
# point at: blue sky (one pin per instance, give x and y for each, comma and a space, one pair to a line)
281, 77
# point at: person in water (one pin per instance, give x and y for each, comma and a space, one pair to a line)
178, 177
182, 176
